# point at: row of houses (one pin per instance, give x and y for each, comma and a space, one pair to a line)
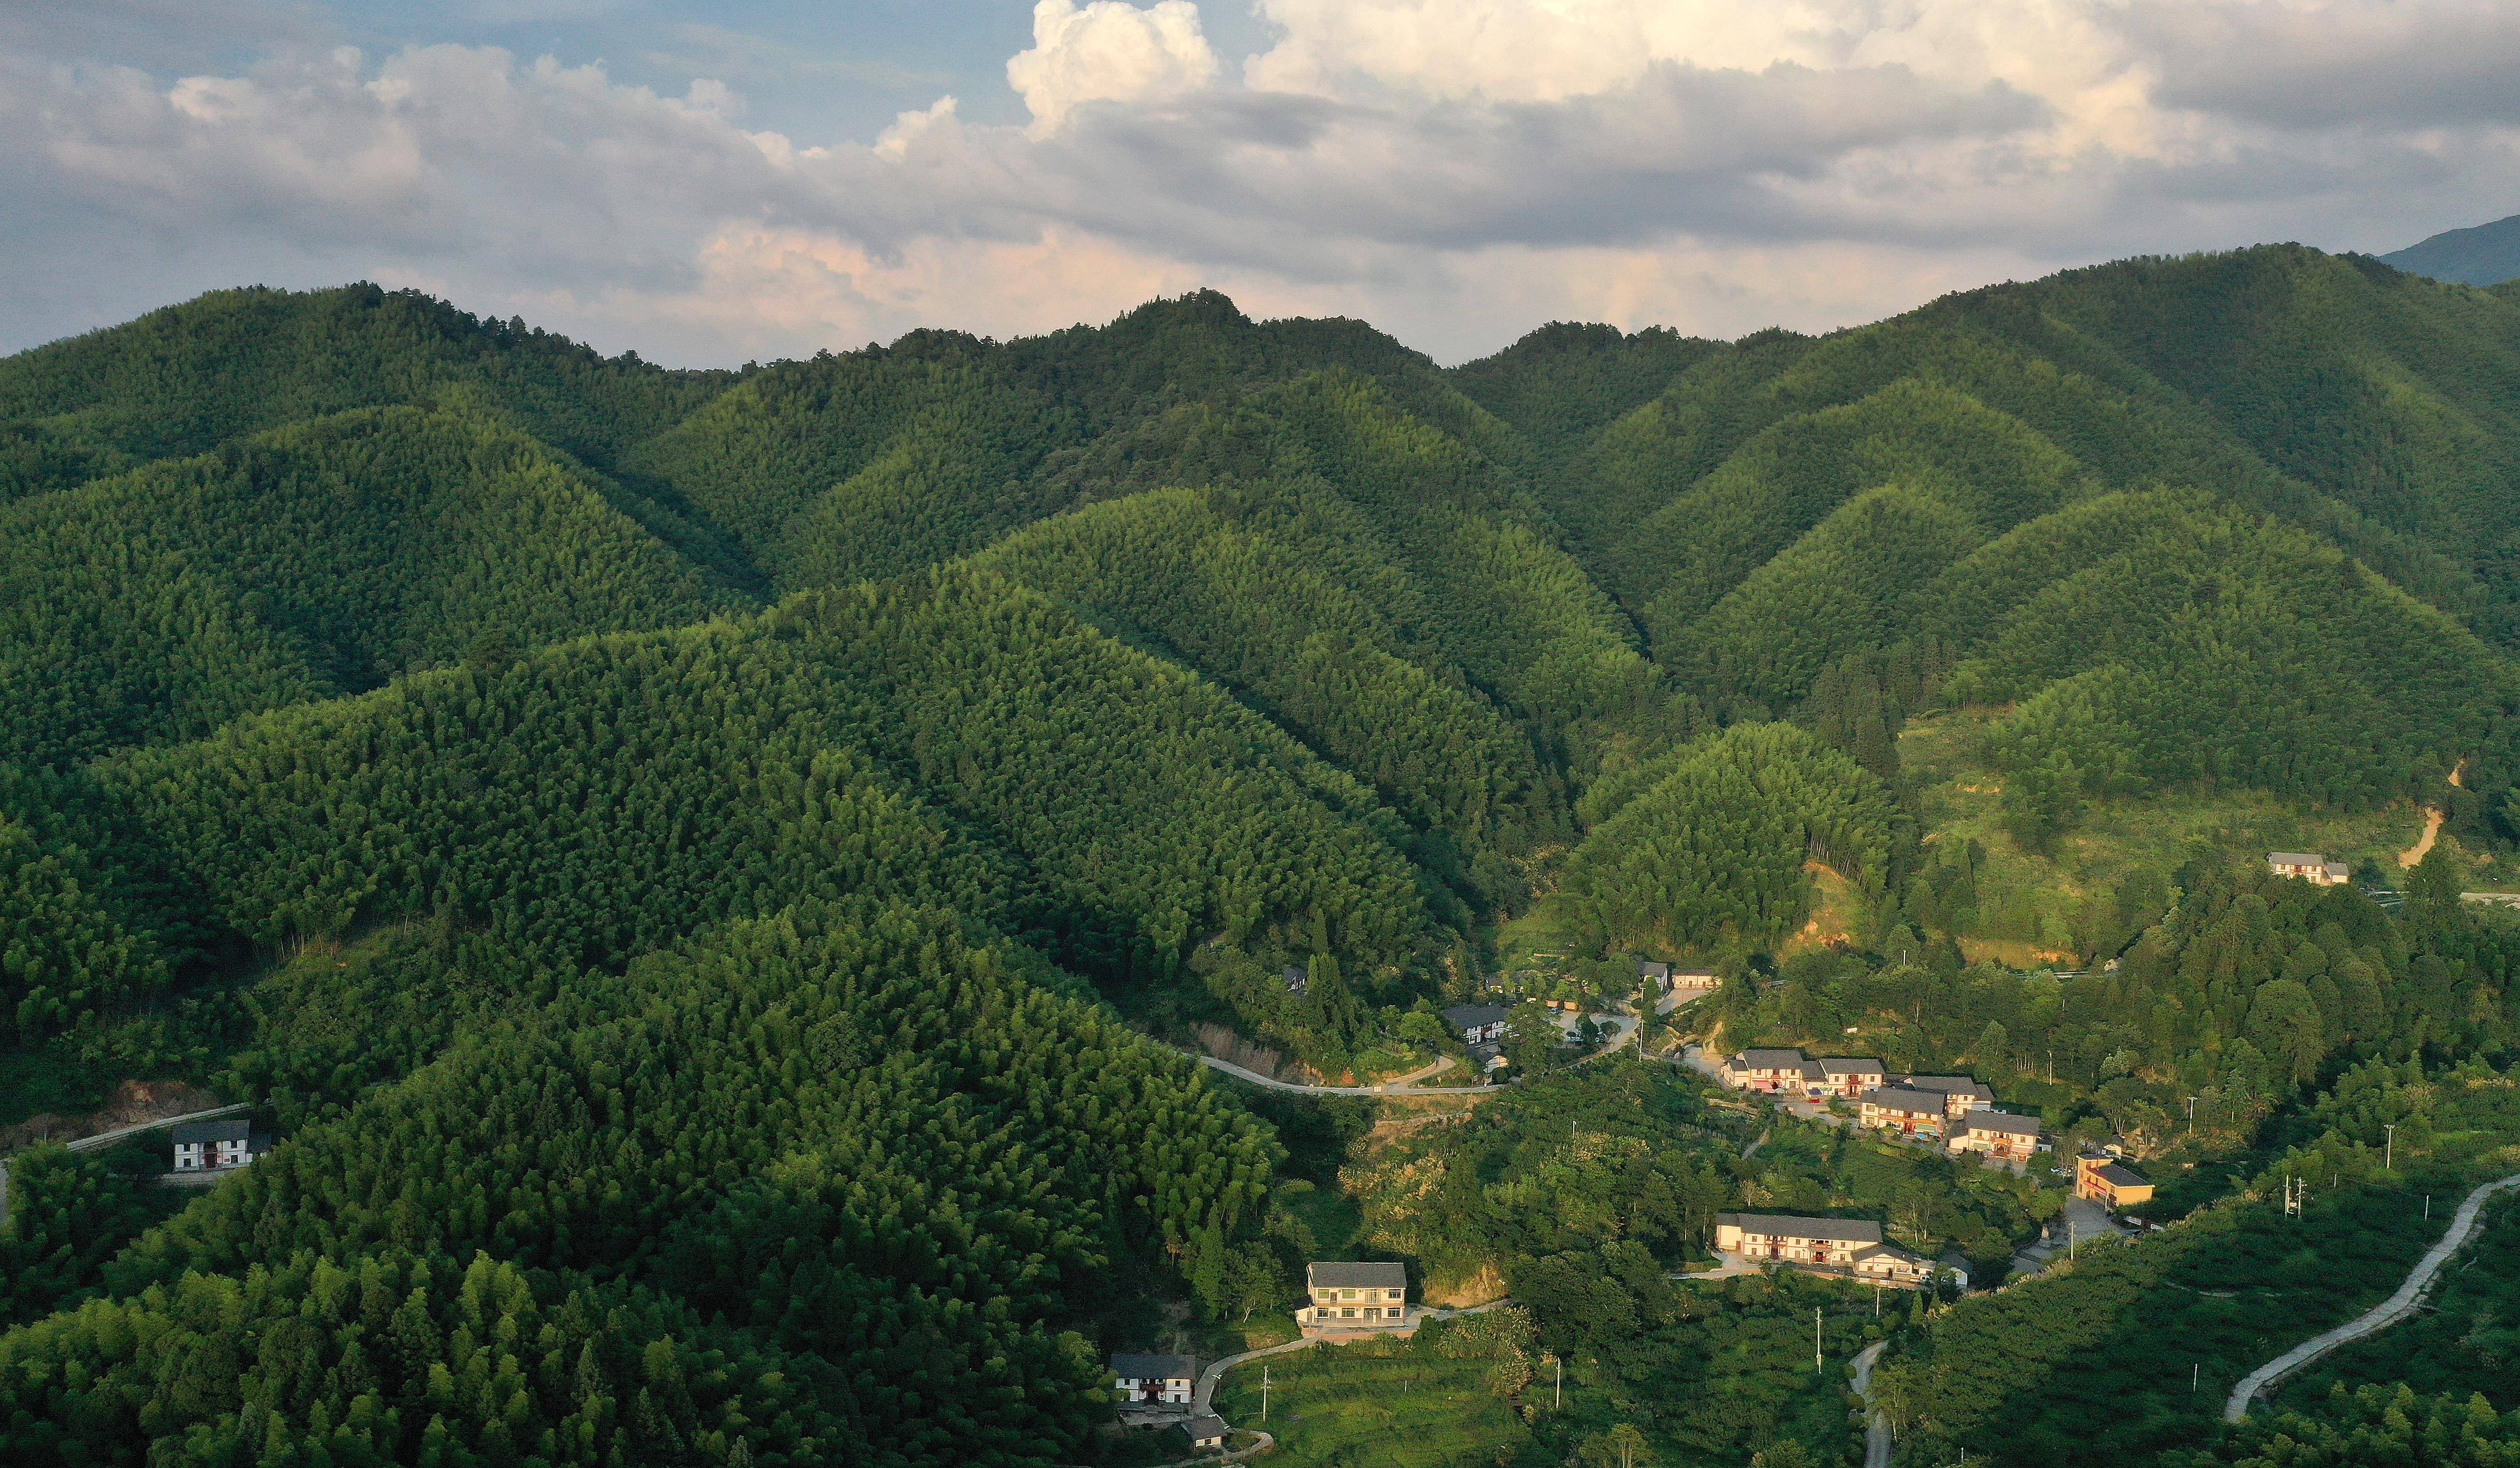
1957, 1110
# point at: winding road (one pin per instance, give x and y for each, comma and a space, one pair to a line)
2387, 1313
1876, 1427
1624, 1031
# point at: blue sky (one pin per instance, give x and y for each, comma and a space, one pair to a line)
716, 183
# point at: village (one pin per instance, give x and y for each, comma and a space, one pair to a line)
1350, 1301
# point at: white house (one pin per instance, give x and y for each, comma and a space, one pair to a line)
202, 1146
1153, 1378
1476, 1024
1355, 1297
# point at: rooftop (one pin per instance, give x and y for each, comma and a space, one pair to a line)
1355, 1276
1133, 1365
1898, 1099
1463, 1016
1204, 1426
2116, 1175
1840, 1065
240, 1129
2296, 859
1769, 1059
1965, 1085
1793, 1226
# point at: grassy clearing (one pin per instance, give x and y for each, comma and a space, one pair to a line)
2028, 901
1377, 1405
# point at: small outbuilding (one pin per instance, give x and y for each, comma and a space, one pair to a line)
1205, 1430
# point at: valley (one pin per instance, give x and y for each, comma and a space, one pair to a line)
791, 915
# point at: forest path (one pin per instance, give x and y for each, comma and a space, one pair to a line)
2387, 1313
1876, 1427
2423, 843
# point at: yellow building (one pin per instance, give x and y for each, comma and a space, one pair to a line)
1355, 1297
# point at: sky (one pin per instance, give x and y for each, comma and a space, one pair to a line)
750, 179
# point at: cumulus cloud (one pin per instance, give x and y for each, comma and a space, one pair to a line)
1108, 51
1456, 169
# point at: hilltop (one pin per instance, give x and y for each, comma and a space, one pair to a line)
711, 872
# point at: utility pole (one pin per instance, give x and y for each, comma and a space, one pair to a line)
2196, 1370
2191, 1113
1264, 1391
1559, 1399
2389, 1151
1816, 1364
2069, 1238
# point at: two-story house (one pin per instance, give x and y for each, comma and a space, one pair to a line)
1846, 1076
2310, 865
1355, 1297
1831, 1246
1654, 977
1791, 1238
1153, 1378
1476, 1024
1766, 1070
2106, 1180
1996, 1133
1909, 1113
202, 1146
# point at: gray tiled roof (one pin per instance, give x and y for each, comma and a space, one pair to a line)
1131, 1365
1791, 1226
1473, 1017
1838, 1065
1958, 1086
2296, 859
2122, 1177
1898, 1099
1202, 1428
1769, 1059
239, 1130
1356, 1276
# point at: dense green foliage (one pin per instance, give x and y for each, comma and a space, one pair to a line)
672, 850
965, 1150
1711, 839
68, 1213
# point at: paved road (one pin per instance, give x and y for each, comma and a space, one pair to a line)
1876, 1427
1398, 1087
2388, 1311
1623, 1029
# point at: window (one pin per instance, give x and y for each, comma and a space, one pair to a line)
1348, 1313
1395, 1313
1390, 1293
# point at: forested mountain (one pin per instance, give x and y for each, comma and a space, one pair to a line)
705, 866
2482, 255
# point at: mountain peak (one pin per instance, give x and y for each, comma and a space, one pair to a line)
2484, 254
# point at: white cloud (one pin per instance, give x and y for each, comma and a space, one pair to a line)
1108, 51
1454, 169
